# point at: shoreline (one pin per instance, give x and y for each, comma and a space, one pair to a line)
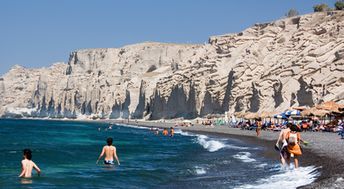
321, 152
327, 159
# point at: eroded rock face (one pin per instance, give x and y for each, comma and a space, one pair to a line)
294, 61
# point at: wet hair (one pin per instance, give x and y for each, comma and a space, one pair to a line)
109, 141
27, 154
289, 125
293, 127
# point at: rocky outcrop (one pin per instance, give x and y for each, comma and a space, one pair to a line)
289, 62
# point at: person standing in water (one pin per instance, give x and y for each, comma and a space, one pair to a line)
293, 138
110, 152
171, 132
281, 144
28, 165
165, 132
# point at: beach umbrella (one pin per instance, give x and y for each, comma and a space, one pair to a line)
301, 108
315, 112
330, 106
251, 115
187, 121
239, 114
293, 113
281, 116
233, 119
265, 114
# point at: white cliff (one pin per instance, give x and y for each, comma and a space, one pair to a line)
289, 62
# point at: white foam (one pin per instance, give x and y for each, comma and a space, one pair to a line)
134, 126
244, 156
261, 165
286, 179
209, 144
237, 147
200, 170
183, 133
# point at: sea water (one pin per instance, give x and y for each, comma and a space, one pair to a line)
66, 152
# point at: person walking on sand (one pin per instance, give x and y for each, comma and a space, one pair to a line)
28, 165
281, 144
259, 126
293, 138
110, 152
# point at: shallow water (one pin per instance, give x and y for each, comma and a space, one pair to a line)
67, 151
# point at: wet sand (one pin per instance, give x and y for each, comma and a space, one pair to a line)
325, 150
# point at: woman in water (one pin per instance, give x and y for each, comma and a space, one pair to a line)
293, 138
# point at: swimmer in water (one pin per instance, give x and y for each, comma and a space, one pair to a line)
28, 165
165, 132
110, 152
156, 132
171, 132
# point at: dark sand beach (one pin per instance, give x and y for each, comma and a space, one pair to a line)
325, 150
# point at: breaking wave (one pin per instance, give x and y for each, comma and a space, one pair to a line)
286, 179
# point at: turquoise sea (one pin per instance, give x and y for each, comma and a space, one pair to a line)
66, 152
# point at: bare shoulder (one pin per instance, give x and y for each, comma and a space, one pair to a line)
113, 147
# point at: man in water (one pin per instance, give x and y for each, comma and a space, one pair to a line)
110, 152
165, 132
28, 164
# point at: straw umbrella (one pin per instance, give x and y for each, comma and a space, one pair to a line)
315, 112
239, 115
330, 106
251, 115
333, 107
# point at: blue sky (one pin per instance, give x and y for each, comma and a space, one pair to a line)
40, 32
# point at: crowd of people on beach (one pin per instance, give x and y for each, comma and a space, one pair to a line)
305, 125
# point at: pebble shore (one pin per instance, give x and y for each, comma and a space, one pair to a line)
325, 150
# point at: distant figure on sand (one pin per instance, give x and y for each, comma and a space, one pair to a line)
28, 164
259, 126
281, 144
293, 138
165, 132
171, 132
110, 152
